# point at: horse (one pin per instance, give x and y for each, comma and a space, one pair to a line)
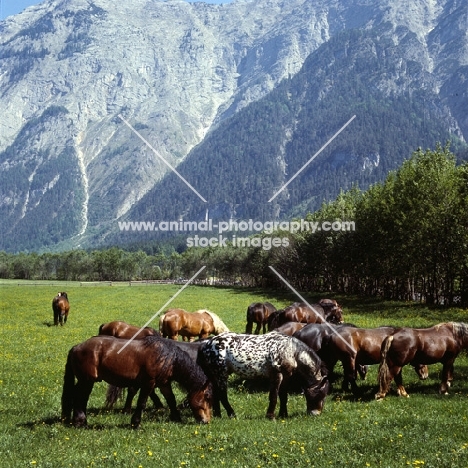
303, 313
289, 328
421, 346
143, 364
258, 313
124, 330
315, 334
114, 392
271, 355
201, 323
60, 307
357, 346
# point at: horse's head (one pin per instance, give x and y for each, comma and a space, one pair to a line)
201, 402
315, 395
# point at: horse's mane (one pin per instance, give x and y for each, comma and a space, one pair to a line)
218, 324
190, 375
300, 347
460, 329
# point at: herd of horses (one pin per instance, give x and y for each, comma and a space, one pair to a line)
301, 344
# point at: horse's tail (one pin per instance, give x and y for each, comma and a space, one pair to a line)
383, 377
161, 325
112, 395
100, 328
218, 325
68, 389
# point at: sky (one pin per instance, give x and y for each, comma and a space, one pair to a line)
12, 7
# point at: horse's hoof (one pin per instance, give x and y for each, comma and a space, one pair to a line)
379, 396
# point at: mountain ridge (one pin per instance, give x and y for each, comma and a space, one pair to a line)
177, 72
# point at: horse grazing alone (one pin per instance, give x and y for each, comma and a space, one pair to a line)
272, 355
125, 330
61, 307
258, 313
421, 346
201, 324
143, 364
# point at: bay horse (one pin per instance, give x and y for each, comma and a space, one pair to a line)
273, 355
144, 364
421, 346
303, 313
316, 336
356, 347
124, 330
60, 307
289, 328
201, 324
258, 313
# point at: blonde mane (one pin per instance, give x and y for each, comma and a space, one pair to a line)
218, 324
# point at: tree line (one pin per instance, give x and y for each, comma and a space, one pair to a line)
410, 243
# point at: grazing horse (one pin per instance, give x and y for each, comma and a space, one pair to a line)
201, 323
143, 364
289, 328
273, 355
61, 307
124, 330
421, 346
303, 313
258, 313
357, 346
315, 335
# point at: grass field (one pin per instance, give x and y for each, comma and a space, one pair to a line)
424, 430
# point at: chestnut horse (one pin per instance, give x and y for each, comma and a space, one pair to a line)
60, 307
421, 346
201, 323
144, 364
258, 313
355, 347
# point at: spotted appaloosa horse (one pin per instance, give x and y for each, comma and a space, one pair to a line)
258, 313
273, 355
419, 347
61, 307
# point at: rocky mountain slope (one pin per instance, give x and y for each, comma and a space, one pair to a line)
181, 73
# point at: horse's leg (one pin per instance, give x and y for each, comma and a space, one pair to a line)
447, 377
145, 390
349, 374
386, 375
257, 328
131, 392
156, 400
248, 328
168, 394
399, 383
81, 394
55, 318
65, 318
275, 383
283, 398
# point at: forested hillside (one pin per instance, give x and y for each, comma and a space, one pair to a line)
410, 242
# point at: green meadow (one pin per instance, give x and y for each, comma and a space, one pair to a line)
425, 430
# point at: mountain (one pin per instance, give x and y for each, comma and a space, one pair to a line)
238, 97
